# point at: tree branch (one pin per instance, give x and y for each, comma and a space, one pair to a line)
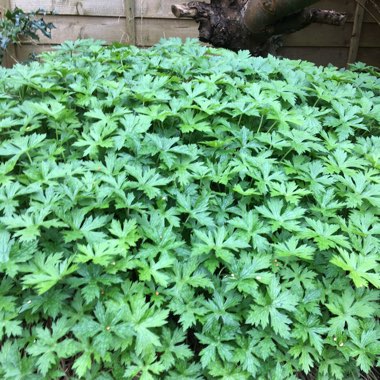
323, 16
183, 10
253, 24
304, 18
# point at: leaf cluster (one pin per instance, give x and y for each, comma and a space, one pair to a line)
17, 25
184, 212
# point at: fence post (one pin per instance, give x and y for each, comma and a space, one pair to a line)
130, 21
356, 31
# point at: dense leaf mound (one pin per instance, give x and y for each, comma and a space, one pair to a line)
183, 212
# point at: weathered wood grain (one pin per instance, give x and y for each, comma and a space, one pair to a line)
156, 8
130, 21
4, 5
356, 31
371, 56
153, 20
144, 8
334, 55
318, 55
23, 52
150, 31
73, 7
116, 8
109, 29
330, 36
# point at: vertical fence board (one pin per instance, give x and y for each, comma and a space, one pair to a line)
356, 31
130, 21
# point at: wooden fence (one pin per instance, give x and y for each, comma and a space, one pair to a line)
144, 22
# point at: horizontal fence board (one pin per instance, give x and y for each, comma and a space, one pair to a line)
370, 32
109, 29
371, 56
73, 7
156, 8
162, 8
150, 31
24, 52
318, 55
143, 8
146, 8
154, 20
115, 8
330, 35
326, 55
347, 6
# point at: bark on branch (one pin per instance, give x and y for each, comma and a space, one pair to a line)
253, 24
182, 10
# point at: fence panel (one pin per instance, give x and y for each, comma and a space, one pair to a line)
144, 22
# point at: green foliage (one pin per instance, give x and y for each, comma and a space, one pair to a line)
183, 212
16, 25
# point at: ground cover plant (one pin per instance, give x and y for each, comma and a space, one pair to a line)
183, 212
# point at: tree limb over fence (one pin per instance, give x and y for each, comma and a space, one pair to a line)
253, 24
